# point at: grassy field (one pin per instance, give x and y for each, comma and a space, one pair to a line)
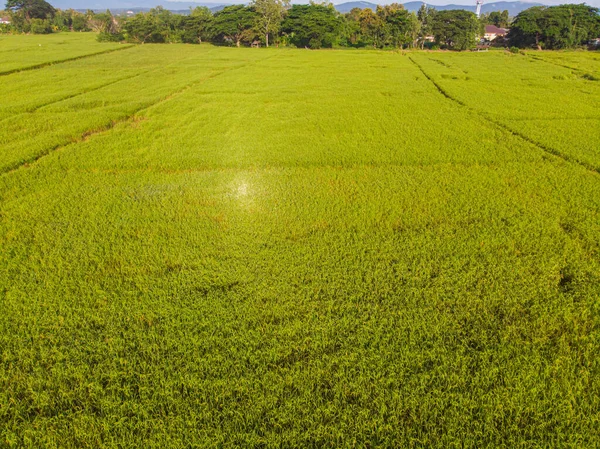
221, 247
27, 52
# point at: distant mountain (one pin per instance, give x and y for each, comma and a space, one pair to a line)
513, 8
135, 5
349, 6
118, 6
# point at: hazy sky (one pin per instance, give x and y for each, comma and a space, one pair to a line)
468, 2
431, 2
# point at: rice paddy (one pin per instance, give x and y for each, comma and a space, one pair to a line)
221, 247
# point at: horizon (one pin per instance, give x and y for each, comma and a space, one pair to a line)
134, 4
595, 3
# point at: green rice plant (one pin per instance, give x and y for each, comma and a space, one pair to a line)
26, 52
291, 248
550, 104
587, 61
51, 124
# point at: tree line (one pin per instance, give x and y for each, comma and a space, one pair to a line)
317, 25
555, 27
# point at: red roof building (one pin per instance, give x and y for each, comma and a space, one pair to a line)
492, 32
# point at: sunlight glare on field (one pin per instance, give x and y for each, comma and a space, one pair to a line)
207, 246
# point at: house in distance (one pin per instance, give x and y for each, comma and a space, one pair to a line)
492, 32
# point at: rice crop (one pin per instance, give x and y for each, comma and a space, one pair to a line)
292, 248
26, 52
554, 106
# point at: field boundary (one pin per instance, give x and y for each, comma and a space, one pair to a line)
34, 109
94, 89
505, 127
60, 61
110, 125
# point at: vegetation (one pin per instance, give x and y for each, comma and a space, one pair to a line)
317, 25
207, 246
313, 26
500, 19
389, 26
456, 29
28, 52
270, 15
555, 27
235, 24
31, 15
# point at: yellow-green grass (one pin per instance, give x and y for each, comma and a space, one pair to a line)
58, 118
555, 106
587, 62
297, 249
26, 52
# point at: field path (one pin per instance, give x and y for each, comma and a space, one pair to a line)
290, 248
550, 150
89, 133
62, 61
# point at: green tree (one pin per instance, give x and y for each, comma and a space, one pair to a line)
312, 26
40, 26
31, 9
569, 26
497, 18
270, 15
425, 19
79, 22
106, 25
527, 28
371, 27
456, 29
350, 28
156, 26
555, 27
63, 20
397, 25
144, 28
197, 26
413, 31
235, 24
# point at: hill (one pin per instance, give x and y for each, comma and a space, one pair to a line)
513, 8
182, 7
134, 5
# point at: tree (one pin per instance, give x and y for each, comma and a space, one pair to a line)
350, 28
144, 28
568, 26
413, 30
555, 27
313, 25
397, 24
79, 22
103, 22
197, 26
456, 29
106, 25
526, 29
235, 24
31, 9
156, 26
270, 15
497, 18
63, 20
40, 26
371, 27
425, 19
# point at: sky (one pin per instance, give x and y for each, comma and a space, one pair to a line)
595, 3
468, 2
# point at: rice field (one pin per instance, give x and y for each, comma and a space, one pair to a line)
27, 52
220, 247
